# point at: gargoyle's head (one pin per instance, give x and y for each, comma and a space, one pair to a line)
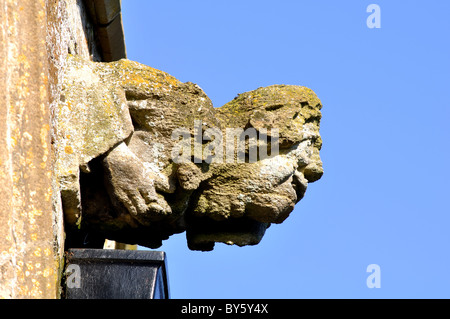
286, 119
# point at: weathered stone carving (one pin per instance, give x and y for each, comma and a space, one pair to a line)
142, 156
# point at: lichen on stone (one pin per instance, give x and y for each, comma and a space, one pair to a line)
127, 125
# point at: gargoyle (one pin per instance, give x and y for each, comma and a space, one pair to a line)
142, 156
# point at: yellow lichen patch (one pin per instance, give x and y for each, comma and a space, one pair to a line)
48, 194
44, 136
137, 75
29, 159
35, 291
41, 14
12, 141
32, 214
47, 252
37, 252
68, 149
28, 136
47, 272
22, 59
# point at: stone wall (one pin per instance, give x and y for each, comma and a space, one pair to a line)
29, 257
35, 38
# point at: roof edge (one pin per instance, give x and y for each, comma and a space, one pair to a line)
106, 17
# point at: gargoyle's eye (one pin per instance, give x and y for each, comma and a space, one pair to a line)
274, 107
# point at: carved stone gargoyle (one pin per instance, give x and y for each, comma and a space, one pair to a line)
142, 156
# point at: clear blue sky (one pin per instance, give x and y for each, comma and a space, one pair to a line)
383, 198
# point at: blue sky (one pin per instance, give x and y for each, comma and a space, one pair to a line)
383, 198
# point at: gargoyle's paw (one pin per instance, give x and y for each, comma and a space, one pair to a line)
138, 202
148, 195
156, 205
159, 209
